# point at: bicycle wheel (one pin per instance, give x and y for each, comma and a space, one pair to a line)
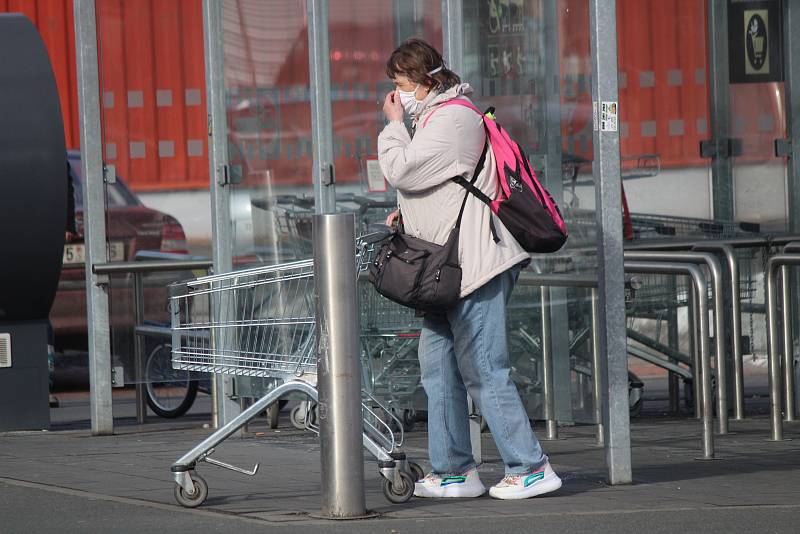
170, 392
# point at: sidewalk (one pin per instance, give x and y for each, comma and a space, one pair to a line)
70, 481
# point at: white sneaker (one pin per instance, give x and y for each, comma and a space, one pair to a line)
539, 482
438, 486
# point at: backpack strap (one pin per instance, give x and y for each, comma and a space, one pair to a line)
475, 174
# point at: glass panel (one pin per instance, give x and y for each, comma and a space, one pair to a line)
155, 135
359, 48
757, 120
269, 129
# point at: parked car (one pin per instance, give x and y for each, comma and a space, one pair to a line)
131, 227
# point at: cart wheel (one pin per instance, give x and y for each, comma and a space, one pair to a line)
415, 470
170, 393
298, 417
398, 495
273, 411
192, 500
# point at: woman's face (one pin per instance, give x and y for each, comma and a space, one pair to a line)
404, 84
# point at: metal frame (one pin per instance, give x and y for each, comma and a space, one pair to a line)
606, 171
322, 169
137, 269
453, 34
221, 231
719, 111
100, 401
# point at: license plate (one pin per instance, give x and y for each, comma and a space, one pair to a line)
75, 254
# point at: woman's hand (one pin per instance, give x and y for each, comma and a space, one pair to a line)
392, 107
393, 218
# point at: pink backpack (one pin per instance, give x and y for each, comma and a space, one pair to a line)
524, 207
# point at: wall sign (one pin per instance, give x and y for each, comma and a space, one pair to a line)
755, 40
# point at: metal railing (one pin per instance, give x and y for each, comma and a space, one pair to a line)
139, 269
780, 386
700, 289
715, 270
727, 249
545, 282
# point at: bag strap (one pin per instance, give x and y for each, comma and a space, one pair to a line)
471, 183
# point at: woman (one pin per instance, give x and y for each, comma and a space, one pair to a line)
464, 351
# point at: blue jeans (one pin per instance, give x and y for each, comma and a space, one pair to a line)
466, 351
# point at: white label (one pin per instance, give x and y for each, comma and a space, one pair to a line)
375, 180
595, 120
608, 117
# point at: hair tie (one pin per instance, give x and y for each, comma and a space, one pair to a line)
437, 69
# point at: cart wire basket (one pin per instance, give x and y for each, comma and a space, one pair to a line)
260, 322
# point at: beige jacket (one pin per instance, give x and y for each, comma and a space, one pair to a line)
450, 144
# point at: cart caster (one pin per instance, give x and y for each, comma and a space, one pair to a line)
415, 470
192, 500
396, 494
298, 417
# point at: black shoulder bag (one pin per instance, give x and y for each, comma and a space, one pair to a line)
420, 274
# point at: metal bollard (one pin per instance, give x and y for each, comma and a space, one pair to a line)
338, 366
547, 367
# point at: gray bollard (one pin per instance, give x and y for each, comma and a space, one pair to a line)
338, 367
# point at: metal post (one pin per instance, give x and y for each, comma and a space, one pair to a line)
549, 124
100, 405
221, 231
138, 349
608, 199
323, 172
700, 289
598, 369
788, 344
719, 110
791, 54
547, 366
338, 366
453, 34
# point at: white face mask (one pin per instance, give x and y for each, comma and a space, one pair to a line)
408, 99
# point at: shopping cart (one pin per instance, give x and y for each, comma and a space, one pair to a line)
260, 322
389, 343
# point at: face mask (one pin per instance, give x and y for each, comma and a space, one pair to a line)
408, 99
